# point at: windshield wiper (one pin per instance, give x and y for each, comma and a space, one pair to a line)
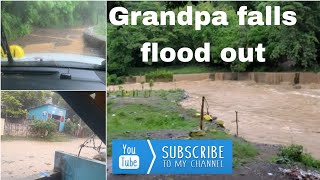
5, 46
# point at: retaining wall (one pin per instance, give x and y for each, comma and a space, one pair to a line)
272, 78
258, 77
306, 78
2, 122
135, 79
191, 77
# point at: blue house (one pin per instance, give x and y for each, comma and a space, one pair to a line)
48, 111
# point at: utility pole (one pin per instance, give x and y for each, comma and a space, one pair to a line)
201, 116
237, 123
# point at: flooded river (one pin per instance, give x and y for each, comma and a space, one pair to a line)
272, 114
43, 40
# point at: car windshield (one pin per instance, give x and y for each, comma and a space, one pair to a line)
58, 33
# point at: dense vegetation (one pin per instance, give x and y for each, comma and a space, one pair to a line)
296, 45
42, 128
14, 104
18, 18
295, 154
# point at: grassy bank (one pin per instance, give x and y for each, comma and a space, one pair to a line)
139, 114
161, 117
173, 69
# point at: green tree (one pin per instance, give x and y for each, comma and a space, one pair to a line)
291, 43
16, 102
298, 44
18, 17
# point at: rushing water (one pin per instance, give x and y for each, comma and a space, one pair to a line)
272, 114
56, 41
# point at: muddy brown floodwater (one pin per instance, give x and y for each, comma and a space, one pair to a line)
43, 40
270, 114
21, 159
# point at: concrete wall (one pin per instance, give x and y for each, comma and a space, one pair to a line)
272, 77
258, 77
2, 126
136, 79
221, 76
72, 167
191, 77
15, 129
307, 78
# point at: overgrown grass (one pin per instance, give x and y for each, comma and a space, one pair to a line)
295, 154
191, 69
242, 150
159, 74
140, 115
153, 113
113, 79
133, 117
129, 116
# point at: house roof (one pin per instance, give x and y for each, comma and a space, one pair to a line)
46, 105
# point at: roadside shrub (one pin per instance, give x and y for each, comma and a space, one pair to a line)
243, 149
43, 128
159, 74
14, 27
113, 79
308, 160
294, 153
70, 127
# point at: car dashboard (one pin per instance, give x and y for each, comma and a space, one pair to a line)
52, 78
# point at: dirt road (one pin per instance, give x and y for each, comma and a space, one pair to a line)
271, 114
20, 159
43, 40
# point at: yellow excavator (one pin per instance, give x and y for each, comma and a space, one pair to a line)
13, 51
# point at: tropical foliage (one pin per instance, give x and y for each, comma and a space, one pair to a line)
43, 128
297, 45
18, 18
15, 103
